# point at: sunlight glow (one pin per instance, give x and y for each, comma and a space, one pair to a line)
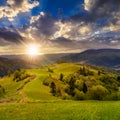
33, 50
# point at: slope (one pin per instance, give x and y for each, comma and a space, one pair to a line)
101, 57
28, 85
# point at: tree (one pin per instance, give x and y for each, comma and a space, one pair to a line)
50, 70
2, 90
98, 92
118, 78
72, 86
53, 88
84, 87
61, 77
16, 75
9, 73
99, 73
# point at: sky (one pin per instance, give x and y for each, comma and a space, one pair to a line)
59, 26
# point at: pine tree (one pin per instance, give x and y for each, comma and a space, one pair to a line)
53, 88
72, 86
84, 87
61, 77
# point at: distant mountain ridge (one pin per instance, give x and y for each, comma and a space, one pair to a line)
14, 62
10, 65
100, 57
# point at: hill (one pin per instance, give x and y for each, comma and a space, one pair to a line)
101, 57
8, 66
60, 81
37, 93
10, 63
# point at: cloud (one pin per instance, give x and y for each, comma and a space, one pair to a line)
36, 18
10, 35
14, 7
102, 8
89, 4
45, 24
94, 24
73, 30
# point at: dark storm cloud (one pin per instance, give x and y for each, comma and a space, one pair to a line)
105, 8
10, 36
100, 10
105, 5
73, 45
45, 25
64, 42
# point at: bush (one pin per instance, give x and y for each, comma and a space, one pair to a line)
118, 78
98, 92
50, 70
2, 90
53, 88
85, 71
85, 89
72, 86
79, 84
61, 77
20, 75
66, 96
79, 95
46, 82
114, 96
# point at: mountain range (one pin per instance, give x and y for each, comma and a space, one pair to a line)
109, 58
100, 57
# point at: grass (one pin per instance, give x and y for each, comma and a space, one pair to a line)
41, 105
35, 90
61, 110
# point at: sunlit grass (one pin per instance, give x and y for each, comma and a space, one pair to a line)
61, 110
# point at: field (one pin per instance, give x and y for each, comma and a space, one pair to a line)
33, 101
61, 110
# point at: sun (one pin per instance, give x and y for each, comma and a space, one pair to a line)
33, 50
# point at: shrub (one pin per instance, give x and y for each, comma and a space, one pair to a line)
85, 71
9, 73
79, 84
50, 70
72, 86
20, 75
66, 96
16, 75
46, 82
118, 78
98, 92
84, 87
114, 96
2, 90
79, 95
53, 88
61, 77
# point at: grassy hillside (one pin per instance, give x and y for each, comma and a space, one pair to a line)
8, 66
23, 95
32, 87
62, 110
10, 63
35, 84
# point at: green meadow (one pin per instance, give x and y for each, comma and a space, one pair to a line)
61, 110
27, 98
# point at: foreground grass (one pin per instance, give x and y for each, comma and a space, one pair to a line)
61, 110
